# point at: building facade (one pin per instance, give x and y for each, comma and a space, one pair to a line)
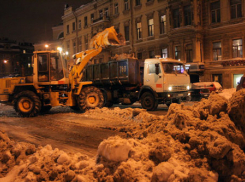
15, 58
208, 35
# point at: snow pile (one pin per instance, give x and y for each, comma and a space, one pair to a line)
204, 142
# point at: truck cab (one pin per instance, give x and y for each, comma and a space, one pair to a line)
167, 79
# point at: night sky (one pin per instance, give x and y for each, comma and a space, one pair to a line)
32, 20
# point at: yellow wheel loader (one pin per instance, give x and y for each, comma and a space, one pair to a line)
52, 85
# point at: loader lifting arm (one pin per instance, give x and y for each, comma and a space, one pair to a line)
108, 37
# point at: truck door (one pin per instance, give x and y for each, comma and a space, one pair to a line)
152, 79
43, 67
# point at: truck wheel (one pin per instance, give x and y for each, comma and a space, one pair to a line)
89, 98
148, 101
27, 104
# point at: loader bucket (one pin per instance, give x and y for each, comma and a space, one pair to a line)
108, 37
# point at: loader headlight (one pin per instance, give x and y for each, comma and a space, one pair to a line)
188, 87
22, 80
170, 88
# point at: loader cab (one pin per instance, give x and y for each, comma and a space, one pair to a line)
48, 66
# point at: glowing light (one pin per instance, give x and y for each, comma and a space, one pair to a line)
59, 49
5, 61
46, 45
67, 52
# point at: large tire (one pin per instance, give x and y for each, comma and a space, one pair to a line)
148, 101
90, 98
27, 104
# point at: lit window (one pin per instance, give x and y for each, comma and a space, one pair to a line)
237, 48
150, 27
165, 53
162, 24
177, 52
217, 51
139, 30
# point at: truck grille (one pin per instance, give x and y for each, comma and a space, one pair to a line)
179, 88
8, 83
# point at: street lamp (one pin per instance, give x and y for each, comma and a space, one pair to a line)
59, 49
5, 61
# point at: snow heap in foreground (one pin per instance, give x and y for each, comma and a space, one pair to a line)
204, 142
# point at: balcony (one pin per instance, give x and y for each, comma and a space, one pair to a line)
105, 20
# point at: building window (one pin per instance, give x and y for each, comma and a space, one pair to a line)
139, 55
74, 47
217, 51
92, 18
139, 31
217, 78
176, 18
79, 24
116, 8
237, 48
80, 44
165, 53
106, 13
150, 27
187, 15
236, 9
126, 7
85, 21
73, 26
162, 24
100, 14
189, 53
86, 41
215, 12
137, 2
126, 31
177, 52
151, 54
67, 29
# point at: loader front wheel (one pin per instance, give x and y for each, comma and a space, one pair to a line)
27, 104
90, 98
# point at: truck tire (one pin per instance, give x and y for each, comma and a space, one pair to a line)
90, 98
148, 101
27, 104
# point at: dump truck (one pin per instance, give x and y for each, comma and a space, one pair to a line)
124, 81
53, 85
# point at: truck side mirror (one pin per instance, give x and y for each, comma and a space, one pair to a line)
157, 68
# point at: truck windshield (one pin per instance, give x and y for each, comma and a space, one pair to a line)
173, 68
56, 69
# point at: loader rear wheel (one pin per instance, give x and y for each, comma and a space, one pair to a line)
90, 98
27, 104
148, 102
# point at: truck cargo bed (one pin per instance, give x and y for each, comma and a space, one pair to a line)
122, 72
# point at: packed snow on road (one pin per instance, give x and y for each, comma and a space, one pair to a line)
203, 142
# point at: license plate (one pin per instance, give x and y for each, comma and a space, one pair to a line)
180, 95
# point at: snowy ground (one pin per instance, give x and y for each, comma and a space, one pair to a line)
203, 142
